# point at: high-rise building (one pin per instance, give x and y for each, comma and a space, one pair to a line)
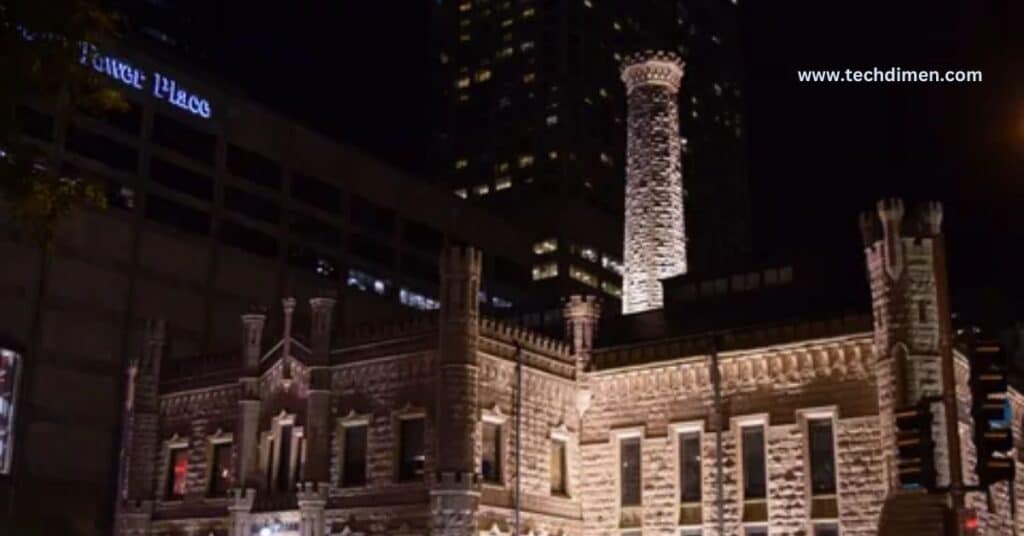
531, 121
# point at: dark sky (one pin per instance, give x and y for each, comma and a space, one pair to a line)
818, 153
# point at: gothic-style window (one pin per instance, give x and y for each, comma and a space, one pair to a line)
411, 451
754, 484
629, 472
220, 471
559, 473
689, 467
353, 471
177, 473
490, 461
822, 454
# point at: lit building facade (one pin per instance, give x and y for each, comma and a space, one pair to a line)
452, 422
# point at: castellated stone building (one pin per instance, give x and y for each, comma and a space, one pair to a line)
442, 424
655, 236
656, 423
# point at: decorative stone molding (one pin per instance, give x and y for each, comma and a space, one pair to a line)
652, 67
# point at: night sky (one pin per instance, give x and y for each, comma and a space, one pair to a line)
819, 153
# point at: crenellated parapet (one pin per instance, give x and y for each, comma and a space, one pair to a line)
527, 338
652, 67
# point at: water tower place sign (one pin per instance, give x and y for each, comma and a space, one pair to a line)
161, 86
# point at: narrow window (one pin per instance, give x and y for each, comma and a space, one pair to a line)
411, 455
220, 472
689, 467
755, 530
270, 462
284, 456
559, 475
354, 456
300, 459
822, 451
629, 471
177, 473
754, 485
490, 461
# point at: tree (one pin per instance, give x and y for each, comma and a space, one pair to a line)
42, 48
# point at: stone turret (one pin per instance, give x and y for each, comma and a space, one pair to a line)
137, 479
655, 235
247, 474
312, 495
902, 263
455, 493
581, 317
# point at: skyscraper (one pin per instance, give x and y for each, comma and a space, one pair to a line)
531, 122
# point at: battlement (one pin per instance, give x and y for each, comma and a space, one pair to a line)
890, 220
577, 305
367, 333
462, 260
527, 338
652, 67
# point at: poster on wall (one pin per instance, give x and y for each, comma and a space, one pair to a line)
10, 367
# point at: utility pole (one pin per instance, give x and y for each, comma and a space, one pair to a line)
519, 435
949, 401
716, 383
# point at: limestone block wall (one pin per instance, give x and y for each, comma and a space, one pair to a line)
549, 412
192, 419
655, 237
775, 386
380, 392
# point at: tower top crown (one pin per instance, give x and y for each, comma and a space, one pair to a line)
652, 67
461, 260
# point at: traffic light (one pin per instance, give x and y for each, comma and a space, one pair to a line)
915, 462
992, 434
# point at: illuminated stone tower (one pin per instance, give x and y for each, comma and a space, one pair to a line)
655, 237
455, 494
902, 269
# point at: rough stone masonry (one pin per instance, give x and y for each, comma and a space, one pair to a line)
655, 235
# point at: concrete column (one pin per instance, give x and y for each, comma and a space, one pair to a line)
655, 235
455, 495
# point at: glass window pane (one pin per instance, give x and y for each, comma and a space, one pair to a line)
823, 469
354, 458
558, 468
10, 366
177, 473
284, 458
220, 473
412, 454
689, 467
630, 472
754, 486
756, 530
491, 459
826, 529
